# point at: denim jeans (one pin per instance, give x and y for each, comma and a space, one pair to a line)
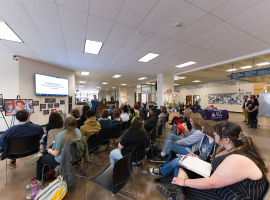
44, 146
170, 166
115, 155
175, 131
169, 147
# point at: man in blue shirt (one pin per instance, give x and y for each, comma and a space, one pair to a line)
23, 129
94, 103
111, 110
144, 110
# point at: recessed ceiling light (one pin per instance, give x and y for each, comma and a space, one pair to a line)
148, 57
85, 73
246, 67
196, 81
92, 46
176, 84
82, 81
142, 78
113, 87
148, 83
230, 70
104, 83
7, 34
153, 83
123, 84
98, 87
138, 86
186, 64
262, 64
81, 86
116, 76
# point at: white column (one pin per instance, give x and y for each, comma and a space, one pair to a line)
164, 82
122, 94
131, 95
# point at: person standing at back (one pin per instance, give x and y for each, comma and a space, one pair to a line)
244, 105
253, 107
94, 103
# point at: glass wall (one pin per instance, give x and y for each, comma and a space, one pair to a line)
146, 93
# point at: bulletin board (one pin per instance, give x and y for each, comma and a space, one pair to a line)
227, 98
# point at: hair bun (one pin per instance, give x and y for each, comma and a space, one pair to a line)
242, 136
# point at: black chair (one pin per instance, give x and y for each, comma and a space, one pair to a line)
117, 131
144, 116
93, 144
266, 189
114, 177
106, 136
21, 147
124, 126
153, 137
129, 124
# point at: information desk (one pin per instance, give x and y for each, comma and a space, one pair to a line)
215, 115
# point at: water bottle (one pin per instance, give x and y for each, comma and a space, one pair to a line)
34, 189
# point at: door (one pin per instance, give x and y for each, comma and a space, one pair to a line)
196, 99
188, 99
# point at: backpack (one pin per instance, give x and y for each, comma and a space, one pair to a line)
49, 173
156, 152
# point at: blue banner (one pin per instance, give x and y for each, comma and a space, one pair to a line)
257, 72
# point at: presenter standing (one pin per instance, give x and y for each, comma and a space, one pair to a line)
244, 105
94, 103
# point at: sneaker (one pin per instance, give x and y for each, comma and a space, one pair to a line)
158, 159
158, 179
32, 161
155, 171
13, 165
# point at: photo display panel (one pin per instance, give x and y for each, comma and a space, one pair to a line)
51, 86
12, 106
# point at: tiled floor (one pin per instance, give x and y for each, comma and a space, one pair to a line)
21, 176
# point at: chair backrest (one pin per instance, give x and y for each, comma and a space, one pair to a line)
266, 189
148, 143
144, 116
129, 124
122, 172
153, 135
139, 152
52, 135
93, 141
160, 128
117, 131
20, 147
124, 126
106, 136
167, 118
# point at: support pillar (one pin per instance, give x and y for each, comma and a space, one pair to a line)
164, 82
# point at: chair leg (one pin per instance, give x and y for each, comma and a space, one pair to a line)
7, 173
95, 161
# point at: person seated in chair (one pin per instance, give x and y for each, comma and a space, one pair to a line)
117, 119
185, 121
131, 138
131, 114
124, 115
23, 129
136, 109
168, 109
238, 170
143, 109
151, 122
91, 125
111, 110
104, 121
161, 118
197, 106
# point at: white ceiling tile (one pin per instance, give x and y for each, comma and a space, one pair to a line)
251, 14
98, 29
256, 24
43, 14
108, 49
198, 27
164, 60
21, 48
123, 52
187, 17
48, 59
75, 55
208, 5
261, 32
13, 11
109, 67
74, 43
178, 50
88, 57
161, 14
59, 53
75, 64
133, 12
115, 61
31, 56
105, 9
81, 5
154, 42
62, 62
40, 50
126, 63
53, 39
28, 35
266, 38
251, 49
73, 22
136, 55
167, 46
214, 32
137, 38
233, 7
119, 34
103, 59
6, 49
190, 52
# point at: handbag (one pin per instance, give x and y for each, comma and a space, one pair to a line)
56, 190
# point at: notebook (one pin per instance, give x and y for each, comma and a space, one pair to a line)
196, 165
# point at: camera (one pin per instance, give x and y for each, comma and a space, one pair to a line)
14, 57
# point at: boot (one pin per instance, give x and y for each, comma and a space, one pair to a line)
251, 125
255, 124
171, 190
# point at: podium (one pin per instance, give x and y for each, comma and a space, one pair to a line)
99, 108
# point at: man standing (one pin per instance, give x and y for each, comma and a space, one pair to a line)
244, 105
94, 103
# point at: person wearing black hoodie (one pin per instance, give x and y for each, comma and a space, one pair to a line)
151, 122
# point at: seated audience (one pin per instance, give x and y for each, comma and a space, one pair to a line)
76, 114
124, 115
104, 121
53, 156
151, 122
207, 147
185, 120
144, 110
131, 138
197, 106
168, 109
91, 125
83, 118
136, 109
131, 113
23, 129
111, 110
161, 118
238, 172
178, 145
117, 119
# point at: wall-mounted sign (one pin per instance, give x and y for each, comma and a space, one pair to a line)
251, 73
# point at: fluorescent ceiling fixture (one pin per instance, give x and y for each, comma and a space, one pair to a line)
116, 76
81, 86
85, 73
98, 87
176, 84
138, 86
153, 83
246, 67
148, 83
148, 57
104, 83
82, 81
230, 70
197, 81
92, 47
262, 64
7, 34
142, 78
186, 64
123, 84
113, 87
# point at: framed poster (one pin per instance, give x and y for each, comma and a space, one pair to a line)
12, 106
50, 105
35, 103
56, 105
62, 102
50, 100
43, 106
45, 112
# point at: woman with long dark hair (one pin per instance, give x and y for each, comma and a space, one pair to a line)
84, 109
131, 113
238, 172
253, 107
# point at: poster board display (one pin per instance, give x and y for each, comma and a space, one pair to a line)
12, 106
227, 98
1, 102
50, 100
35, 103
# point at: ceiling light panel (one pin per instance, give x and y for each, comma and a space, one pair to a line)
7, 34
104, 83
186, 64
246, 67
85, 73
123, 84
197, 81
81, 86
82, 81
262, 64
116, 76
230, 70
142, 78
98, 87
148, 57
92, 47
